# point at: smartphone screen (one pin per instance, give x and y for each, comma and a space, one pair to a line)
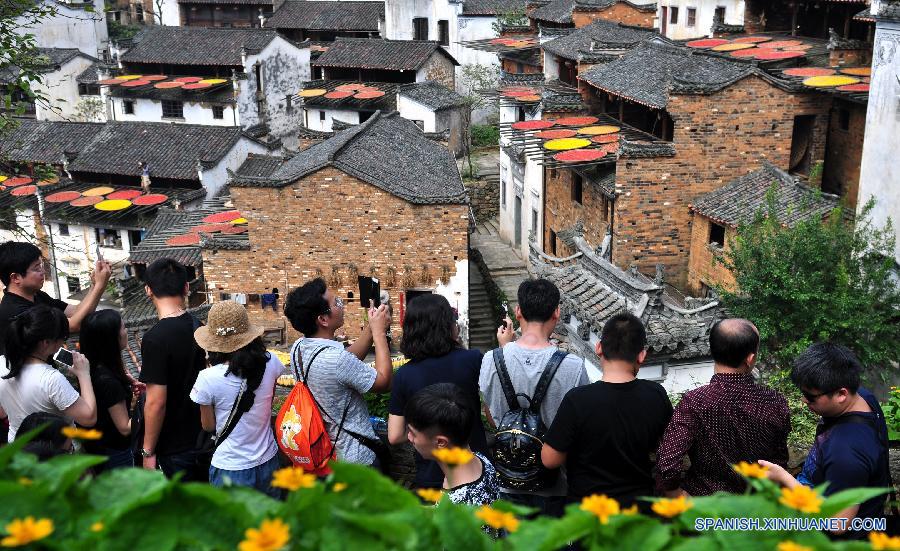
369, 290
64, 357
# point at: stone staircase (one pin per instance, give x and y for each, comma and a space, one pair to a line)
482, 326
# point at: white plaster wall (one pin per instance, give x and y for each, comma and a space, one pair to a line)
532, 198
150, 110
313, 118
551, 67
76, 254
61, 91
880, 174
529, 189
456, 291
706, 9
71, 28
213, 179
171, 15
284, 67
415, 111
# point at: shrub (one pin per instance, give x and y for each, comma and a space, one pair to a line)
485, 135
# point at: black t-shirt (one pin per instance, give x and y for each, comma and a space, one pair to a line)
609, 431
171, 357
460, 367
12, 305
109, 391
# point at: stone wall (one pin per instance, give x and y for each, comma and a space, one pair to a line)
620, 12
335, 226
561, 211
843, 156
703, 268
484, 196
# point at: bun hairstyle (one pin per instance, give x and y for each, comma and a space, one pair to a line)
27, 330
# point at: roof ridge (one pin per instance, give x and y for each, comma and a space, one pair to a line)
352, 133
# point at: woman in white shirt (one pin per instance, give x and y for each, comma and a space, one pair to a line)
31, 385
247, 454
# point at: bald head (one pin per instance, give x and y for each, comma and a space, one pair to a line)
733, 341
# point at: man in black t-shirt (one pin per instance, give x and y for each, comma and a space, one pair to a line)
22, 274
171, 361
605, 432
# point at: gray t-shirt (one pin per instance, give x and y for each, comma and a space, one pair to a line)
525, 368
336, 377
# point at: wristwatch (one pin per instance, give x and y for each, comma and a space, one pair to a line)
147, 453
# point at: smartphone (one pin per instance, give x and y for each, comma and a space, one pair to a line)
64, 358
505, 306
369, 290
99, 254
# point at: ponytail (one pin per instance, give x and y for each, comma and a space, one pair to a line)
249, 363
27, 330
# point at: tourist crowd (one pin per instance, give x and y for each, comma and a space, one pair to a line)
203, 403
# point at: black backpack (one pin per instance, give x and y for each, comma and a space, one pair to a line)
520, 433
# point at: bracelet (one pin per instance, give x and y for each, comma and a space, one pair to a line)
147, 453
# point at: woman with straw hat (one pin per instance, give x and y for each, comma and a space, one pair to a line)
235, 397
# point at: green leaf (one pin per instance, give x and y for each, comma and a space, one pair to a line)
64, 470
839, 501
372, 491
459, 528
544, 533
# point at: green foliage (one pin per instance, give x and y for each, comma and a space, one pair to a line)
485, 135
118, 31
817, 280
135, 510
803, 421
891, 410
378, 404
512, 18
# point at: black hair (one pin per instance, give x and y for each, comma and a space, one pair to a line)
50, 441
538, 299
442, 409
27, 330
428, 328
166, 277
15, 258
99, 342
248, 362
732, 340
826, 367
305, 304
623, 337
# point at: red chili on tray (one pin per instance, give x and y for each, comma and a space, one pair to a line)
27, 190
555, 134
183, 240
809, 72
338, 95
706, 43
576, 121
861, 87
768, 55
127, 194
62, 197
608, 138
220, 217
86, 201
532, 125
580, 155
148, 200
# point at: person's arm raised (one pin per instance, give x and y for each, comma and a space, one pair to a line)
379, 321
76, 313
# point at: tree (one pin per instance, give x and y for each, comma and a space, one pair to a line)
19, 59
513, 18
820, 279
475, 78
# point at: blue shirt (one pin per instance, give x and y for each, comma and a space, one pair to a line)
850, 451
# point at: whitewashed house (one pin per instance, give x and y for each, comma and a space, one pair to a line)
80, 25
684, 19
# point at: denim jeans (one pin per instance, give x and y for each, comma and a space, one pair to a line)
115, 459
551, 506
191, 463
259, 477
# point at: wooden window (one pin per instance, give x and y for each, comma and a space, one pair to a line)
420, 28
63, 229
552, 240
716, 235
692, 17
577, 188
444, 32
218, 111
720, 14
172, 109
673, 17
128, 107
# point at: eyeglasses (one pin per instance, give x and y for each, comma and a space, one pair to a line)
810, 397
338, 303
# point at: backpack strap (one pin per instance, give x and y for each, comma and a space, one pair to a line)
505, 381
544, 382
298, 362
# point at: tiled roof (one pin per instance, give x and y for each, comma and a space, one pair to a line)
376, 53
337, 15
741, 199
258, 166
604, 35
592, 5
195, 45
267, 3
47, 60
650, 72
89, 75
433, 95
171, 150
493, 7
557, 11
387, 151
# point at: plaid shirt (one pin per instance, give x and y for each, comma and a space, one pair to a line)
731, 419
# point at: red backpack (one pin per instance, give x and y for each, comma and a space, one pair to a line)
299, 429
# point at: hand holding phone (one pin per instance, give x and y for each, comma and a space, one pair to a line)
63, 358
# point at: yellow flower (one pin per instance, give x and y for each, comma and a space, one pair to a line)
81, 434
27, 530
497, 519
453, 456
671, 507
25, 481
602, 506
292, 478
791, 546
751, 470
97, 527
271, 535
633, 510
339, 487
882, 541
803, 498
430, 495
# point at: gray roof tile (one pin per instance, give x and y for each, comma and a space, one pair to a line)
433, 95
604, 34
740, 200
195, 45
258, 166
493, 7
557, 11
376, 53
331, 15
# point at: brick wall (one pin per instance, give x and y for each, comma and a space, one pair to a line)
484, 196
619, 12
510, 66
843, 156
561, 212
717, 138
333, 225
703, 268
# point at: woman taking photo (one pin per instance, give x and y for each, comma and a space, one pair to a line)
246, 453
31, 385
431, 343
103, 338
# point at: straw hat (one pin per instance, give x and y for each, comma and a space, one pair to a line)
227, 328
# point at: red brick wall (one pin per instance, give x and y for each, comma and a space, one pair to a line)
703, 268
326, 224
619, 12
717, 138
561, 212
844, 153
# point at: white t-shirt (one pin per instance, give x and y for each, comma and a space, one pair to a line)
252, 442
38, 388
